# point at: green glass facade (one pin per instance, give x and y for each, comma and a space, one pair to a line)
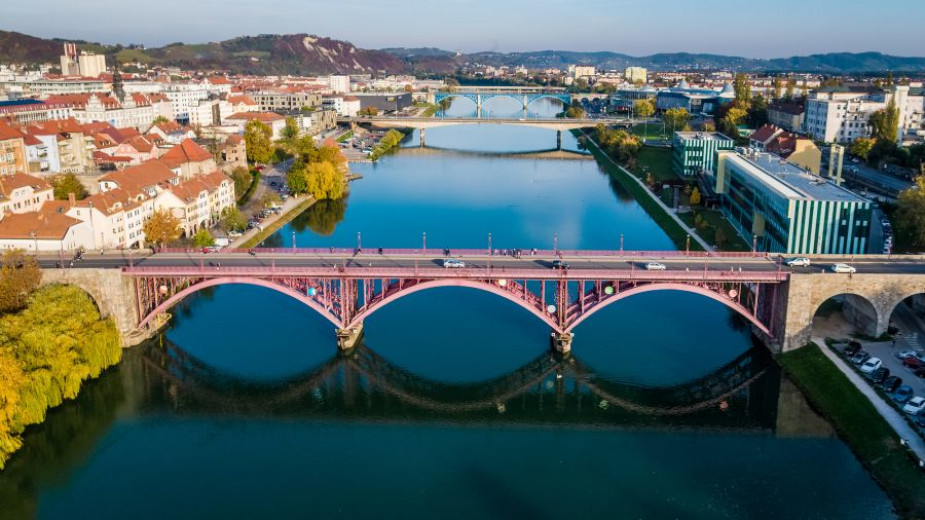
693, 152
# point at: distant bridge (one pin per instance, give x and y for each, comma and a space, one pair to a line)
524, 97
551, 153
423, 123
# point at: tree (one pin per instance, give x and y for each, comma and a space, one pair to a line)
695, 197
324, 181
295, 179
643, 108
160, 120
729, 124
291, 131
574, 112
884, 123
242, 179
676, 119
257, 139
368, 111
162, 227
758, 112
910, 216
743, 91
791, 87
203, 238
234, 220
67, 183
777, 87
19, 276
861, 147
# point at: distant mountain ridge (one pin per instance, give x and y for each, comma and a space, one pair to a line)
307, 54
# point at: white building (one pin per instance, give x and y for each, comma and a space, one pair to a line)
84, 64
339, 84
634, 74
838, 115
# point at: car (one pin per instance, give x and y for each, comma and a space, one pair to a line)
903, 354
879, 375
915, 405
855, 160
452, 263
851, 349
871, 364
272, 183
860, 357
655, 266
799, 261
902, 394
842, 268
891, 383
913, 362
559, 264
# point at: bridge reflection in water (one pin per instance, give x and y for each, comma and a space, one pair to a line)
742, 395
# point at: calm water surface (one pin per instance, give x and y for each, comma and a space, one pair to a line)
454, 406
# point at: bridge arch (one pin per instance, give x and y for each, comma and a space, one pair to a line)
695, 289
856, 309
559, 98
488, 287
228, 280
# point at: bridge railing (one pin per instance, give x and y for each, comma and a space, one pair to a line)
440, 252
434, 271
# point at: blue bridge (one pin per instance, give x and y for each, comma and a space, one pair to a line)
523, 95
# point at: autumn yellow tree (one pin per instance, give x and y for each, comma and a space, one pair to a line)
162, 227
19, 276
695, 197
324, 181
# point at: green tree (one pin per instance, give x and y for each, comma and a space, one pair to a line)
291, 131
257, 138
861, 147
162, 227
203, 238
910, 217
160, 120
743, 91
643, 108
368, 111
757, 112
295, 179
19, 276
734, 117
676, 119
777, 87
242, 179
234, 220
885, 123
574, 112
67, 183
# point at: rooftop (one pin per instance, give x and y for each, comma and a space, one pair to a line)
702, 136
792, 181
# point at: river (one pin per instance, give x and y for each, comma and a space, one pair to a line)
454, 405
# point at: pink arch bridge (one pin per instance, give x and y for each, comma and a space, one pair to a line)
561, 298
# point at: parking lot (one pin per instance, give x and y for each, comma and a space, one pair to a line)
886, 352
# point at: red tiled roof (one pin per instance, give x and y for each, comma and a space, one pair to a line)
185, 152
7, 132
11, 182
48, 225
260, 116
135, 178
764, 133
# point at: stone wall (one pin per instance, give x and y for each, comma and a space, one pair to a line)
113, 293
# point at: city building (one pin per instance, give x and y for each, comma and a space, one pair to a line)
783, 208
84, 64
275, 121
787, 115
694, 152
32, 110
796, 149
22, 193
45, 230
346, 106
581, 71
189, 160
69, 146
839, 114
12, 150
636, 74
339, 84
285, 101
695, 101
234, 153
386, 102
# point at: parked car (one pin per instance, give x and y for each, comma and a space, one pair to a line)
913, 362
903, 394
880, 375
800, 261
891, 384
452, 263
559, 264
842, 268
903, 354
860, 357
870, 365
654, 266
915, 405
851, 349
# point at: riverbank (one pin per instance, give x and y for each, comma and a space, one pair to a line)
49, 349
666, 219
255, 236
860, 425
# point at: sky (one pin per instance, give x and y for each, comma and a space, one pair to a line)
780, 28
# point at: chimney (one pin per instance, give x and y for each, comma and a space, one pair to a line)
72, 199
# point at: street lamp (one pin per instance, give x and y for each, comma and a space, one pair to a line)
293, 241
555, 243
687, 247
35, 241
359, 243
424, 242
621, 242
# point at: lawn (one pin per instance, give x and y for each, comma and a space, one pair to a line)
860, 425
657, 161
650, 131
713, 220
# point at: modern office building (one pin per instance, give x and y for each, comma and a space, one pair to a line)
786, 209
694, 152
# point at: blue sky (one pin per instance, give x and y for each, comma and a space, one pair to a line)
779, 28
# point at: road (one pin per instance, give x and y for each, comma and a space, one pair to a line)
346, 257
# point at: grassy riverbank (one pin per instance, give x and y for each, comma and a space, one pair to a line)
47, 351
854, 417
675, 232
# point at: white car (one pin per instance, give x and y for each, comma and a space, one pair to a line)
800, 261
871, 364
842, 268
453, 263
915, 405
655, 266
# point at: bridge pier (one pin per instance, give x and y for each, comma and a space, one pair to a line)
562, 341
349, 338
423, 135
559, 140
478, 106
